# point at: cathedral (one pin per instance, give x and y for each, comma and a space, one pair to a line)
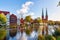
43, 29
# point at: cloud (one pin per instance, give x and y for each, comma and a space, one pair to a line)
55, 15
3, 10
25, 8
31, 14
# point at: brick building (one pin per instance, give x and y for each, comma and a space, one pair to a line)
13, 21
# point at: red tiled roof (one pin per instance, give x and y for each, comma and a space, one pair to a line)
12, 15
5, 12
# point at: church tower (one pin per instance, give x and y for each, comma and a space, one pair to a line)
45, 24
42, 14
46, 15
44, 18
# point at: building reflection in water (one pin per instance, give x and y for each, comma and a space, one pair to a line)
21, 36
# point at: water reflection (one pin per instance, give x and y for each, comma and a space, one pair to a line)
23, 36
33, 36
13, 32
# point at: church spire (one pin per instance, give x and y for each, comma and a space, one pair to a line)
42, 14
46, 14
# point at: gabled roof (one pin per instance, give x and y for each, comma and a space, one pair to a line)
5, 12
12, 15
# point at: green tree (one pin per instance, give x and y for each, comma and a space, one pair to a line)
57, 32
49, 37
50, 22
58, 4
39, 20
3, 18
28, 18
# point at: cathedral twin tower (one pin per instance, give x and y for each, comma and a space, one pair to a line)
45, 22
44, 18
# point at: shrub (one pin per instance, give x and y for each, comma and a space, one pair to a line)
41, 37
58, 38
49, 37
56, 33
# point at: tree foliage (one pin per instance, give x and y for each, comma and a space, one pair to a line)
49, 37
50, 22
39, 20
28, 18
57, 32
3, 18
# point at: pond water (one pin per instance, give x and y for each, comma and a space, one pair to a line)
24, 36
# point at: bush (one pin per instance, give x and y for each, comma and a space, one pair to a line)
50, 37
41, 37
56, 33
53, 38
58, 38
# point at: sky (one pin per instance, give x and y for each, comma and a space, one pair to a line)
32, 7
